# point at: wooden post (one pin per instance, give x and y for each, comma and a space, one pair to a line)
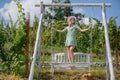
33, 38
74, 4
116, 47
108, 53
27, 44
37, 43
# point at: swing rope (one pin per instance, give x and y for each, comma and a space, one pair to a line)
51, 38
51, 30
91, 36
91, 24
91, 39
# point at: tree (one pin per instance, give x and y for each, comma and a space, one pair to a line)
59, 13
68, 11
11, 45
12, 42
113, 32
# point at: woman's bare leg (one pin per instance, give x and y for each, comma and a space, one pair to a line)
72, 53
68, 51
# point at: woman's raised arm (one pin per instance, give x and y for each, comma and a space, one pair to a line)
83, 30
58, 30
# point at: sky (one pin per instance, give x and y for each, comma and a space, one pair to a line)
8, 7
113, 11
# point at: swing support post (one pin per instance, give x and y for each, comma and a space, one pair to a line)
109, 62
37, 49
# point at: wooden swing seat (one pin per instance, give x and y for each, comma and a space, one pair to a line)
60, 61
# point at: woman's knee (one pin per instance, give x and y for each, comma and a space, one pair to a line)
72, 48
68, 48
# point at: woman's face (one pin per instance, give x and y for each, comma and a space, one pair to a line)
72, 21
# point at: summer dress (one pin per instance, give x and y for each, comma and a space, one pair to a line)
71, 35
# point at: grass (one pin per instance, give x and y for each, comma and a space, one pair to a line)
98, 60
54, 49
45, 74
99, 73
11, 77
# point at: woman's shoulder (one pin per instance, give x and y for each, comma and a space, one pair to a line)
66, 27
76, 26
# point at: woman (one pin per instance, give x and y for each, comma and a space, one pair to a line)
71, 36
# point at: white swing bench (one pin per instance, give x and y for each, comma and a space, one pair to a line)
60, 61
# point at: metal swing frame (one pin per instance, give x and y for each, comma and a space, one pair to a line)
37, 49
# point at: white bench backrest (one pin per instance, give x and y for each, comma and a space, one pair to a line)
63, 57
